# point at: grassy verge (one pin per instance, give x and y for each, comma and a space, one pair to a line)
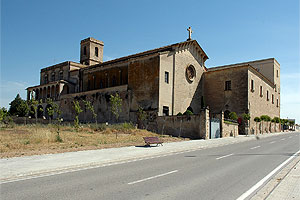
42, 139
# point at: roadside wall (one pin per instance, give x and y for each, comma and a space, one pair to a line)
230, 129
193, 126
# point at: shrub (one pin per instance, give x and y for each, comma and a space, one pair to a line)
188, 112
246, 116
257, 119
233, 116
179, 114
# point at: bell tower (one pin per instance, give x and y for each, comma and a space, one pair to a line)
91, 51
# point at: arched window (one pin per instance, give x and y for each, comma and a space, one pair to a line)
46, 78
53, 76
226, 114
96, 51
61, 75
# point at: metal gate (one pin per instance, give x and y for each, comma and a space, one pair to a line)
215, 129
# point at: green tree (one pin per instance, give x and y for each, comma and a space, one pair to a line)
3, 114
90, 107
116, 105
233, 116
18, 107
142, 115
78, 110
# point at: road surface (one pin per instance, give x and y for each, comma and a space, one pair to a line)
225, 172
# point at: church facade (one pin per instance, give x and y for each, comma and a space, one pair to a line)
163, 82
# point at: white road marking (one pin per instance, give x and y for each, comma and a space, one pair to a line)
152, 177
224, 156
266, 178
255, 147
283, 139
272, 142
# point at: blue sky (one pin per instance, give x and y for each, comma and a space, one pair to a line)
40, 33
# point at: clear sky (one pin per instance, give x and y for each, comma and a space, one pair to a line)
40, 33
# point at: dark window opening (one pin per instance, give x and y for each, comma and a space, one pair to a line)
261, 91
166, 77
252, 86
267, 95
101, 84
272, 98
165, 111
277, 74
61, 75
277, 103
202, 102
84, 50
227, 85
96, 51
94, 82
53, 76
89, 85
226, 114
121, 80
46, 78
114, 81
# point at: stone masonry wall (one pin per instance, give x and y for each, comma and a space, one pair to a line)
230, 129
193, 126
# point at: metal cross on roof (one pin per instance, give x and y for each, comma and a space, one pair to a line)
190, 33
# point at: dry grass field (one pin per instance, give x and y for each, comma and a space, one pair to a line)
21, 140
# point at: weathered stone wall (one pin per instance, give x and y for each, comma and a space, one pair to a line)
266, 127
188, 93
143, 81
100, 101
230, 129
218, 99
193, 126
261, 104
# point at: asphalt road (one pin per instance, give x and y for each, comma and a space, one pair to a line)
224, 172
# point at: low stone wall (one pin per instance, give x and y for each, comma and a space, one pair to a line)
230, 129
193, 126
26, 120
266, 127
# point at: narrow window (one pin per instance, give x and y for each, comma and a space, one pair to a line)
261, 91
96, 51
89, 85
101, 84
272, 98
227, 85
120, 74
61, 75
167, 77
53, 76
277, 103
46, 78
267, 95
84, 50
252, 86
277, 74
94, 82
165, 111
275, 88
114, 81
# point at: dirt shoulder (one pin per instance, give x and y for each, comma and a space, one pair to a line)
43, 139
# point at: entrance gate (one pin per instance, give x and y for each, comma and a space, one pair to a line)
215, 130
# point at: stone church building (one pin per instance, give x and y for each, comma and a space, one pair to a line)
163, 82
